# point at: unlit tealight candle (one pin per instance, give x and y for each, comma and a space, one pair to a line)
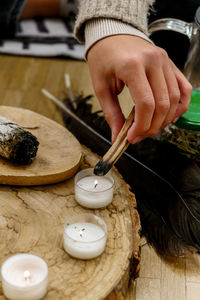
85, 239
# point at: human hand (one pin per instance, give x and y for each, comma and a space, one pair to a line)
159, 90
40, 8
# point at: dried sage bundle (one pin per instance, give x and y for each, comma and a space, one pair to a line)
17, 144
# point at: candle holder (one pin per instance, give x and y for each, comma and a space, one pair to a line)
85, 236
24, 277
93, 191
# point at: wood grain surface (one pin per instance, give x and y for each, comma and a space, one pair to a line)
21, 81
58, 156
32, 221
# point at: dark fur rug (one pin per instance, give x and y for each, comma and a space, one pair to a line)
165, 182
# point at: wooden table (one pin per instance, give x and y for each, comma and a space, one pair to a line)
21, 81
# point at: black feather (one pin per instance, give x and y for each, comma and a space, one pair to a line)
168, 203
158, 233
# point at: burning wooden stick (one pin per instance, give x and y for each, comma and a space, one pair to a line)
119, 146
17, 144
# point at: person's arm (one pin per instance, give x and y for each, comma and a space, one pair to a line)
132, 12
43, 8
9, 16
119, 57
12, 11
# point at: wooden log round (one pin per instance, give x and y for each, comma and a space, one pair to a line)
32, 221
58, 155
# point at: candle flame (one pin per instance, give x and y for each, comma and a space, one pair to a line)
95, 183
27, 275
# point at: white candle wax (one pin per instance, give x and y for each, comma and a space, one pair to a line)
84, 240
93, 191
24, 277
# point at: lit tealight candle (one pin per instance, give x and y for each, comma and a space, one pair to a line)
93, 191
85, 236
24, 277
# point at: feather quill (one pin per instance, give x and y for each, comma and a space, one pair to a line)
158, 175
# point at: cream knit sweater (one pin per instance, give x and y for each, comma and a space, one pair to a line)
100, 18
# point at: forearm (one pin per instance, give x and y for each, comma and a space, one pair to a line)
118, 57
42, 8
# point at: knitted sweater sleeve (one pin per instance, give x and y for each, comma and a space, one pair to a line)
100, 18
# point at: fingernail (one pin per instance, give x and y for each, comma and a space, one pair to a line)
137, 139
113, 137
175, 119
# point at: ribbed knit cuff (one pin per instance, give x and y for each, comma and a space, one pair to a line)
99, 28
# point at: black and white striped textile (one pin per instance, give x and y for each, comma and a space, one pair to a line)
44, 38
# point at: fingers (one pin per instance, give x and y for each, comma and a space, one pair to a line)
149, 90
111, 108
185, 92
142, 95
159, 102
174, 93
159, 90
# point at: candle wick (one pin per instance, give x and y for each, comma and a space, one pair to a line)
27, 276
81, 231
95, 183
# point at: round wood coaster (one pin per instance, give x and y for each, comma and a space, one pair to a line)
58, 156
32, 220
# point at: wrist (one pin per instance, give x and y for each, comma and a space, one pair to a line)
97, 29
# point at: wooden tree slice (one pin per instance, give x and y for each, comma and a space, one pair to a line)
32, 220
58, 156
